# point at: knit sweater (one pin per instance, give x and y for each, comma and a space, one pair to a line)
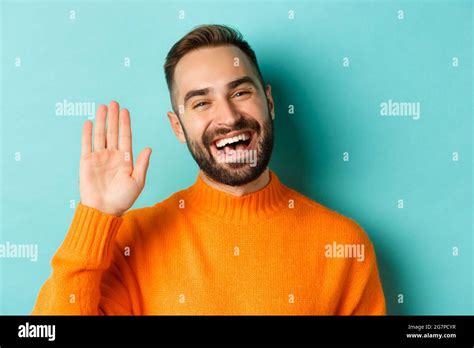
206, 252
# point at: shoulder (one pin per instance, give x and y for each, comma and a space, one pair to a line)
328, 222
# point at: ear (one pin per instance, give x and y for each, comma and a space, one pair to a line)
176, 126
271, 104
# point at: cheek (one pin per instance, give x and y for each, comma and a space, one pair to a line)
258, 108
195, 130
259, 113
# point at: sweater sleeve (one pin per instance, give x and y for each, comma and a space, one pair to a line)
363, 294
87, 270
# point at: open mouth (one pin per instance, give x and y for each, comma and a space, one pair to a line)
234, 141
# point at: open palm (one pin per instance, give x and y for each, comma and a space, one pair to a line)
108, 180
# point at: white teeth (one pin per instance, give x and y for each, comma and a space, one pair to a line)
226, 141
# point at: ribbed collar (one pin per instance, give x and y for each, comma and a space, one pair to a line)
258, 205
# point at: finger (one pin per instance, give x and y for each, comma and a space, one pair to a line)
86, 142
125, 132
99, 129
112, 125
141, 167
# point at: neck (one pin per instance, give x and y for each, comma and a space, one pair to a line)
252, 186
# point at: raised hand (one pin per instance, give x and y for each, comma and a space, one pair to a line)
108, 180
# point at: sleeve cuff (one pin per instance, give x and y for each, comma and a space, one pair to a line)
90, 238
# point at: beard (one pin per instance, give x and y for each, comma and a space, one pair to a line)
234, 174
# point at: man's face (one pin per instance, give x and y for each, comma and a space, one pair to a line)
225, 116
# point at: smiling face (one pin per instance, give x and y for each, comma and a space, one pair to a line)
225, 115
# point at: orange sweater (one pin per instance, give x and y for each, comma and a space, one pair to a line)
205, 252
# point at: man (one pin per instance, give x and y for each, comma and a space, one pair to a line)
236, 242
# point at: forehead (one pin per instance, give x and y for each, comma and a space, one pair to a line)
210, 67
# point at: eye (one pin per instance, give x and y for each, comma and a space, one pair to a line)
241, 93
198, 105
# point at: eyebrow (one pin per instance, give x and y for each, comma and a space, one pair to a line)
230, 85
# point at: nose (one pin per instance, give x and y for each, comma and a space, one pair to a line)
227, 114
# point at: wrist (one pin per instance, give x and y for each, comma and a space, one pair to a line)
103, 208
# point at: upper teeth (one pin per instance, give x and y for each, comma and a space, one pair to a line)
226, 141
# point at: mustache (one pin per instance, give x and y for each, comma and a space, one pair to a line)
240, 125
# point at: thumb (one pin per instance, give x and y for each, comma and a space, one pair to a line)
141, 167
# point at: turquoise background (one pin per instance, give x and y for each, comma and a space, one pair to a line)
336, 110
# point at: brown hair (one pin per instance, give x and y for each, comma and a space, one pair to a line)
206, 36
